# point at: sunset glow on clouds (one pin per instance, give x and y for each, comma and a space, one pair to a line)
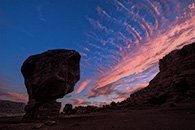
13, 96
10, 95
79, 101
82, 86
122, 43
130, 44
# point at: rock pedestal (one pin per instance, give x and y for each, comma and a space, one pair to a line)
49, 76
47, 110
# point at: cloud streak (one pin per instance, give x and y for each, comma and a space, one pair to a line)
82, 86
77, 101
141, 35
13, 96
7, 94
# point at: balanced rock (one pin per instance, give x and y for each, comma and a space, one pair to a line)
49, 76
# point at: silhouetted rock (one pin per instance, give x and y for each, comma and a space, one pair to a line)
49, 76
174, 83
73, 111
113, 104
180, 84
84, 110
47, 110
67, 108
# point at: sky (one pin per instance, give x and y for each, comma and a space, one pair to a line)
120, 41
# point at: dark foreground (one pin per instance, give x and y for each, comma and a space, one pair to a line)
181, 117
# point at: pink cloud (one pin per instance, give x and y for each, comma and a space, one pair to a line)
79, 101
155, 7
134, 31
103, 13
146, 54
7, 84
82, 86
13, 96
143, 56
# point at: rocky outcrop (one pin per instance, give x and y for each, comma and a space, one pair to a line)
49, 76
174, 83
84, 110
67, 108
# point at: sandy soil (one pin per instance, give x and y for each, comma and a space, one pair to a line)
178, 118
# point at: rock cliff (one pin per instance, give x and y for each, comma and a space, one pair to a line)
173, 84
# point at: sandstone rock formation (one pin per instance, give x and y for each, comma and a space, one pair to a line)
49, 76
173, 84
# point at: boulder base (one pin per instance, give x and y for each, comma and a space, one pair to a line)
47, 110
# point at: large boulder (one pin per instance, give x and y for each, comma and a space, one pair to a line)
49, 76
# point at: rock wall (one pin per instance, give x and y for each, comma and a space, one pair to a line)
174, 83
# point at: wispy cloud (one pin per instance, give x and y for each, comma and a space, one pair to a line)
147, 54
105, 90
40, 12
42, 9
141, 33
77, 101
6, 84
82, 86
7, 91
13, 96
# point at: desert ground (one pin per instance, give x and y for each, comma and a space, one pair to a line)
180, 117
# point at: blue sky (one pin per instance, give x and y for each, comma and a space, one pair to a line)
120, 42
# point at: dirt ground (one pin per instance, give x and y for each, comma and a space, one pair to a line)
176, 118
